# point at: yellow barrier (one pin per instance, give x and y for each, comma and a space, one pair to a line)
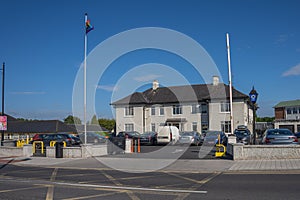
218, 152
20, 143
52, 143
38, 142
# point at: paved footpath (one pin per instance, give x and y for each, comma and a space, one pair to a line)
201, 165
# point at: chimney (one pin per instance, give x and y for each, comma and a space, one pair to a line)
155, 85
216, 80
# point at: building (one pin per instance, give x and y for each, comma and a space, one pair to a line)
287, 115
190, 107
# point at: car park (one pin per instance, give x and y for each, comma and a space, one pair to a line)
279, 136
243, 135
92, 138
148, 138
190, 137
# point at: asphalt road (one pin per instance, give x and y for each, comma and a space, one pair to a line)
17, 182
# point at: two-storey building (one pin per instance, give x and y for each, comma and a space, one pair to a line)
190, 107
287, 115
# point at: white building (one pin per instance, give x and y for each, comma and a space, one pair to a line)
191, 107
287, 115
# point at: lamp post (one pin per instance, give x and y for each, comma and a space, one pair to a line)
2, 113
253, 98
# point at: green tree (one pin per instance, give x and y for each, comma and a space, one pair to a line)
72, 120
265, 119
109, 124
94, 120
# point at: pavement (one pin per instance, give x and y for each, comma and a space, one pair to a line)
147, 165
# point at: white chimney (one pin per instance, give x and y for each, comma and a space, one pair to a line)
155, 85
216, 80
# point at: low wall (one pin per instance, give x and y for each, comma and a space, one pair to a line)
85, 151
263, 152
25, 151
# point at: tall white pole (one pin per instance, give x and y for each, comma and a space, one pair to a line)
230, 82
84, 78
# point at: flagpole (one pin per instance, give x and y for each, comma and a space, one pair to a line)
230, 82
84, 78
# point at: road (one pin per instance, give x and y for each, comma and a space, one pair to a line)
24, 182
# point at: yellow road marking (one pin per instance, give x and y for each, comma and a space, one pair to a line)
51, 187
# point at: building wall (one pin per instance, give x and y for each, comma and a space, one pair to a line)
279, 113
242, 116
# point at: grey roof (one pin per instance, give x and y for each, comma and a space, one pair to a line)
43, 126
288, 103
176, 94
89, 128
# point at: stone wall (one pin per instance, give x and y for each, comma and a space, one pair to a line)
263, 152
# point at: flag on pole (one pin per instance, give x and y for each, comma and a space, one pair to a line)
88, 26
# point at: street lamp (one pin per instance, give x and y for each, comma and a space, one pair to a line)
253, 98
2, 113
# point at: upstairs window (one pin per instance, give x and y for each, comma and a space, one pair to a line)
153, 110
129, 111
161, 110
195, 108
225, 107
177, 110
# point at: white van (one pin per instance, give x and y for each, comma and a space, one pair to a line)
167, 134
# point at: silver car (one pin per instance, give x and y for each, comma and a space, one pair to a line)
190, 137
279, 136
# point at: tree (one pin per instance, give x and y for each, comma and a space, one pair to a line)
94, 120
265, 119
109, 124
72, 120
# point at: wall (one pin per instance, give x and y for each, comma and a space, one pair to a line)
263, 152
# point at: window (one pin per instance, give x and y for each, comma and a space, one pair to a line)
195, 108
203, 108
153, 110
194, 126
225, 107
129, 127
161, 110
129, 111
288, 111
226, 126
177, 110
153, 127
294, 110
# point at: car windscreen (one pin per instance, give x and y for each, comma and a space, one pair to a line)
187, 134
279, 132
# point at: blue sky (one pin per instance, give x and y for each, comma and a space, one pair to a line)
42, 44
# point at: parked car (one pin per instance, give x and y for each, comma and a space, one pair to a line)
190, 137
92, 138
46, 138
211, 138
279, 136
297, 135
243, 136
167, 134
76, 139
129, 134
149, 138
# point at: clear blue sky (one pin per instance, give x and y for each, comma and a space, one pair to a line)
42, 43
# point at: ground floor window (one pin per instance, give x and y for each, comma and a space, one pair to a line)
129, 127
226, 126
153, 127
194, 126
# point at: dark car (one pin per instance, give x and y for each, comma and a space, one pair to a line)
190, 137
76, 139
46, 138
92, 138
149, 138
129, 134
243, 136
279, 136
211, 138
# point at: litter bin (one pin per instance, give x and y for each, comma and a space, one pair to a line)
59, 149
